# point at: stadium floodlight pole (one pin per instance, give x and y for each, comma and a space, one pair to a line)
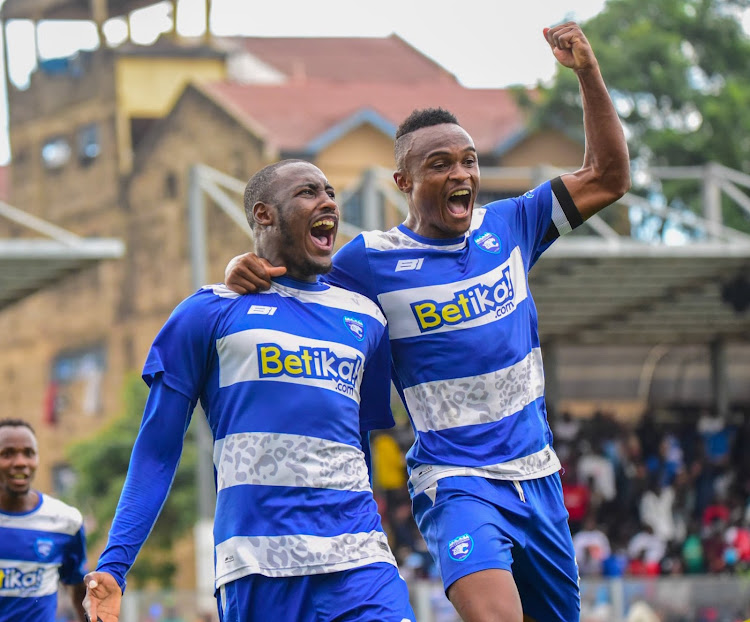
204, 441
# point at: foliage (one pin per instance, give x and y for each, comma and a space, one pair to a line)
679, 74
101, 463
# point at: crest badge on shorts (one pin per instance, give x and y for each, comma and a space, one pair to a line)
460, 548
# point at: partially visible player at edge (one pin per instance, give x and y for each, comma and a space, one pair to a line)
279, 374
42, 542
452, 282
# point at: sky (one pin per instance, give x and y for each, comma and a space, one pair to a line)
485, 43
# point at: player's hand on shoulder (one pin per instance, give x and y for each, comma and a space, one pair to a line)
249, 273
103, 597
570, 46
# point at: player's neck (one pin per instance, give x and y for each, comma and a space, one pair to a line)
19, 504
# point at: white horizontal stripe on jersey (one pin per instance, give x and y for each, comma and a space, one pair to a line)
403, 322
221, 290
472, 400
53, 516
333, 297
540, 464
298, 554
27, 579
396, 239
271, 459
559, 218
289, 358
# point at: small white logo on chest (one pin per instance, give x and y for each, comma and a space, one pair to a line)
261, 310
409, 264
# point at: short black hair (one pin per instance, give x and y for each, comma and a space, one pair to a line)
16, 423
426, 117
259, 187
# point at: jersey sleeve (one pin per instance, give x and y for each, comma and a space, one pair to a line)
73, 568
540, 216
153, 464
375, 391
181, 351
351, 269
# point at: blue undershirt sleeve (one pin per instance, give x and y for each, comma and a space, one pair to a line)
73, 568
351, 269
152, 468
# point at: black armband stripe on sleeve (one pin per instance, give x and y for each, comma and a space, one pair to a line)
565, 214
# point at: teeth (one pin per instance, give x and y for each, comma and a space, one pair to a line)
324, 224
459, 193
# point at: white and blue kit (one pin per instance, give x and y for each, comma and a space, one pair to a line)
290, 381
39, 550
467, 364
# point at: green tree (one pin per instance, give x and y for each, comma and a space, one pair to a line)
679, 74
101, 463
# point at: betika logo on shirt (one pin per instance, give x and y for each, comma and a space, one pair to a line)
318, 363
467, 304
12, 578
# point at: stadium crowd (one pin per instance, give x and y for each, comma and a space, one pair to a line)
658, 496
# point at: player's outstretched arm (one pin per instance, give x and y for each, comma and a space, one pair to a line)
249, 273
604, 176
103, 597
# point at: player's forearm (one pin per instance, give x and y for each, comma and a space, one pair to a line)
77, 594
153, 464
606, 159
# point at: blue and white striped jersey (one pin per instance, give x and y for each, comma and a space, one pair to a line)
289, 379
38, 550
463, 328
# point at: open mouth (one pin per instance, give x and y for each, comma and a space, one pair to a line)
323, 233
459, 202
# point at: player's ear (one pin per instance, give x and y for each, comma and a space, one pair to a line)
403, 181
263, 214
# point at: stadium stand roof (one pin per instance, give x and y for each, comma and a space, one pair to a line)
27, 264
597, 291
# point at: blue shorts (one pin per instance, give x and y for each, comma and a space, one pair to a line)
476, 523
373, 593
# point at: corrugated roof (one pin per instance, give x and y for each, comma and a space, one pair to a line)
296, 114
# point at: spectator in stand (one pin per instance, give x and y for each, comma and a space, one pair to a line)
716, 436
577, 497
656, 510
665, 464
566, 429
740, 458
714, 545
389, 472
597, 466
717, 511
671, 563
647, 546
591, 545
692, 551
648, 434
617, 563
640, 567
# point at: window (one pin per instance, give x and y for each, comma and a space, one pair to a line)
89, 146
55, 153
